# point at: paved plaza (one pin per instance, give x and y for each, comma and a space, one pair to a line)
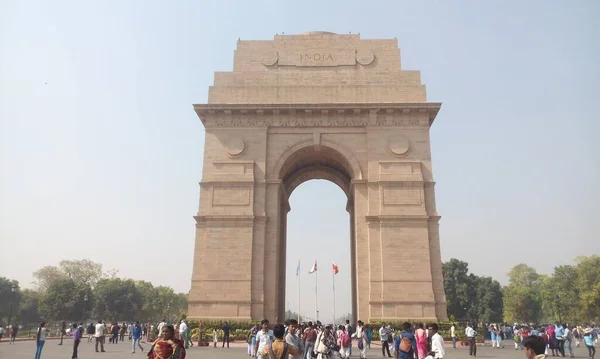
26, 350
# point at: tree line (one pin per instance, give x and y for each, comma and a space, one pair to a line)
78, 290
570, 294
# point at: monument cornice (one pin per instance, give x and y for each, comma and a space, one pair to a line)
318, 115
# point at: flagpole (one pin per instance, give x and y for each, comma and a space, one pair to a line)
333, 279
298, 291
316, 295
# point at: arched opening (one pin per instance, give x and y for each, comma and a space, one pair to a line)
317, 229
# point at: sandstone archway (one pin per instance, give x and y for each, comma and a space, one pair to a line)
349, 115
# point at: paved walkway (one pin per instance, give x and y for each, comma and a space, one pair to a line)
26, 350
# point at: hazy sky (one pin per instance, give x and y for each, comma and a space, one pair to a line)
101, 152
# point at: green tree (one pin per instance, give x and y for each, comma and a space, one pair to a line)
64, 300
82, 271
117, 299
588, 285
522, 298
456, 287
170, 304
45, 276
490, 301
29, 307
560, 295
6, 297
150, 309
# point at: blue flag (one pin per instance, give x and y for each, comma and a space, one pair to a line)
298, 268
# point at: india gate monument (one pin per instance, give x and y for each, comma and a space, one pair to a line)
317, 105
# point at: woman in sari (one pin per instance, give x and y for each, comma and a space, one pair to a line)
167, 346
421, 338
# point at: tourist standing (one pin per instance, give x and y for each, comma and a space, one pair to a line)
99, 335
471, 335
453, 335
182, 333
40, 340
437, 342
252, 339
1, 332
405, 344
384, 336
263, 338
226, 330
63, 331
568, 336
324, 343
421, 337
91, 329
310, 337
13, 333
344, 342
167, 346
76, 340
361, 339
279, 348
350, 330
588, 339
136, 335
292, 339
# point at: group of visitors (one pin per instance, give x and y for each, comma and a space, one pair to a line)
559, 337
169, 344
315, 340
10, 331
536, 346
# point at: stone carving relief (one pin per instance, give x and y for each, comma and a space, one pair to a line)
365, 57
317, 119
398, 145
236, 146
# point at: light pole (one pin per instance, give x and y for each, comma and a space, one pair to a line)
168, 311
13, 288
558, 308
85, 299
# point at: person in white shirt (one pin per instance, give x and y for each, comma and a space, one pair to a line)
183, 333
263, 338
40, 340
437, 342
471, 337
99, 335
362, 339
453, 335
384, 336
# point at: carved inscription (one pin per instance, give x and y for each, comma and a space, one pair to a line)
307, 56
318, 57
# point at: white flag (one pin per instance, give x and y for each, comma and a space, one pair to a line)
314, 268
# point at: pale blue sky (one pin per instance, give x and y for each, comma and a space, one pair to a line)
101, 152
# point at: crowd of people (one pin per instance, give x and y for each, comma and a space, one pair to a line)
315, 340
168, 340
560, 338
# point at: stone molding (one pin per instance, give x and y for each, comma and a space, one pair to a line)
321, 115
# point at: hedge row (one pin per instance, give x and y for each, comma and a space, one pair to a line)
240, 328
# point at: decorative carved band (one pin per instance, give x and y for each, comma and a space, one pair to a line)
342, 115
